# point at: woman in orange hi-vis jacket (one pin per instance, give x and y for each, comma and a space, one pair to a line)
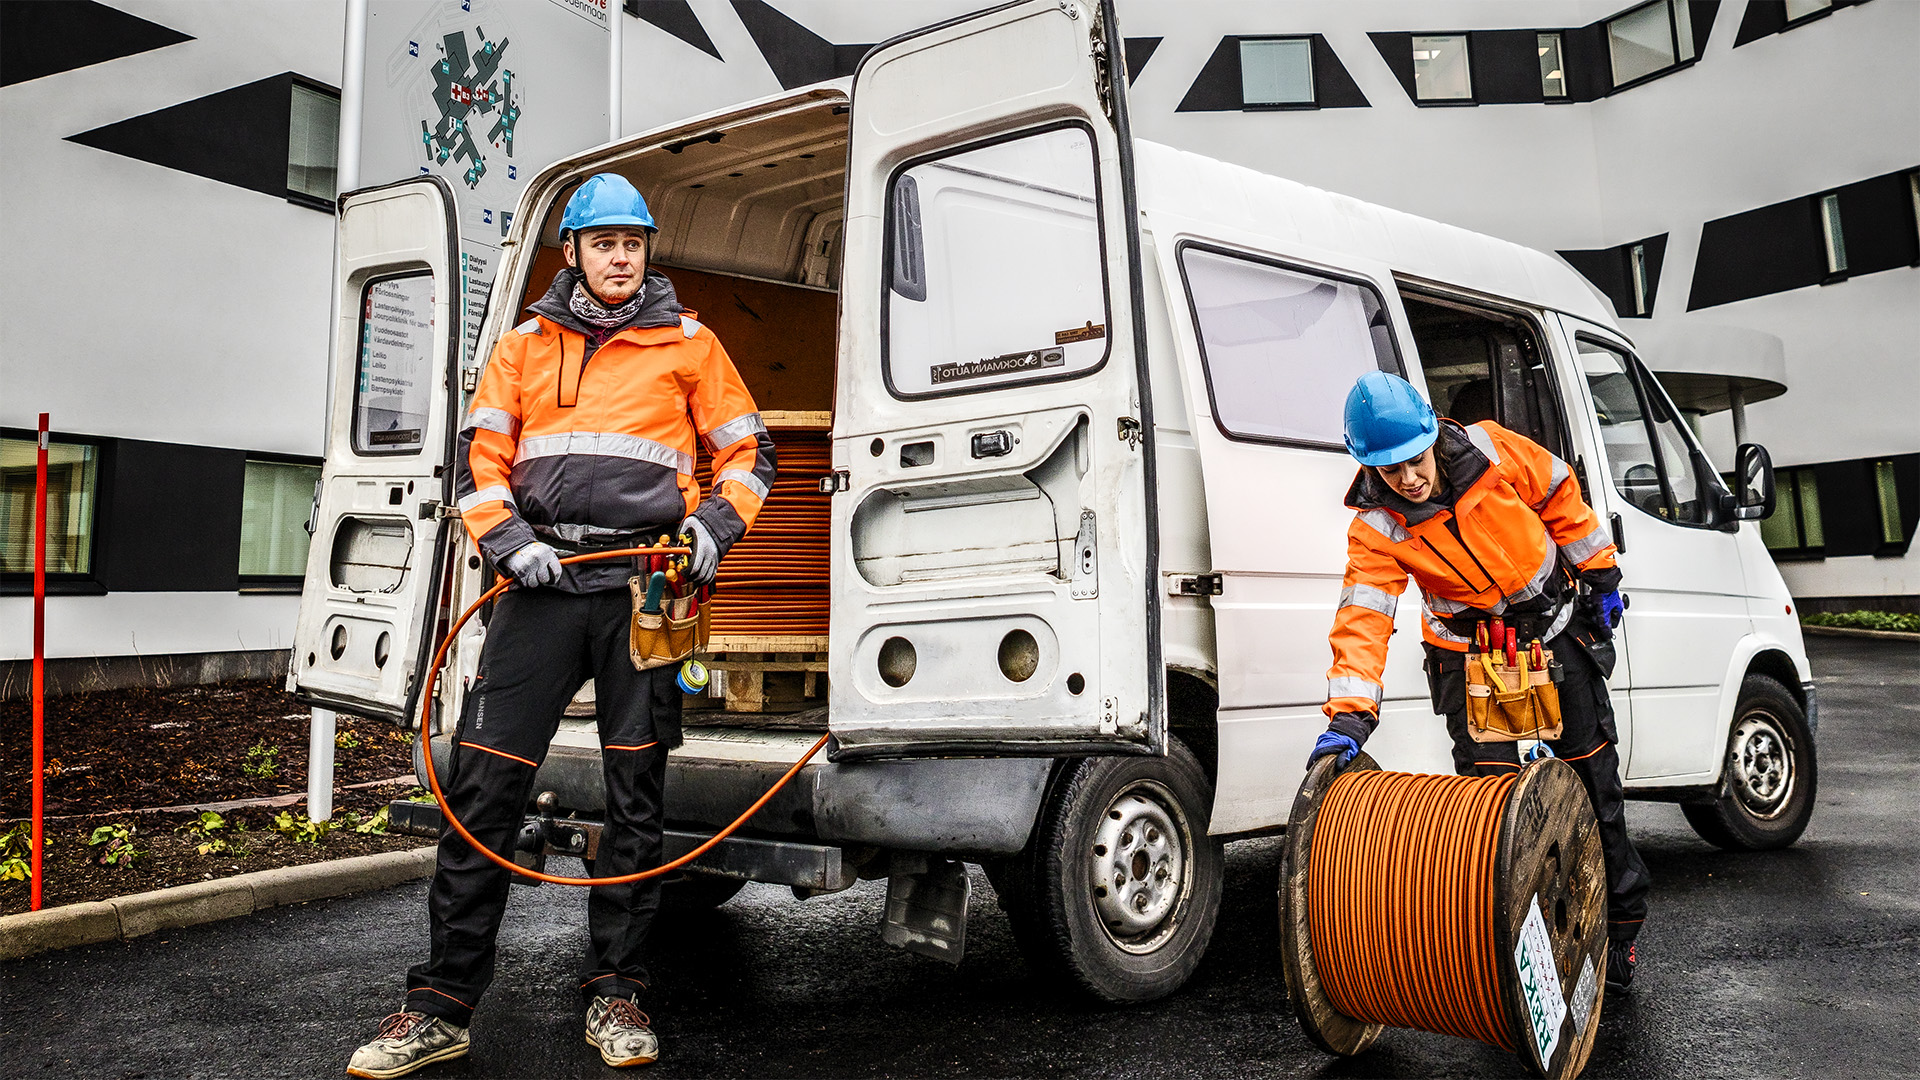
1489, 524
580, 437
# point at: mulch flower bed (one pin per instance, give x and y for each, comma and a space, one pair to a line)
114, 756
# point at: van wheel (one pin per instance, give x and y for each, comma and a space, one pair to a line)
1119, 889
1770, 775
683, 892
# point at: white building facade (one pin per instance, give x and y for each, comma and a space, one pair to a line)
1738, 178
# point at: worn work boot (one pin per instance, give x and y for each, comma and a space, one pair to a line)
408, 1041
1620, 961
619, 1029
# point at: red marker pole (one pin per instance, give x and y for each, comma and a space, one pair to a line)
39, 653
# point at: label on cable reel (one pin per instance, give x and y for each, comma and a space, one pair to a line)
1582, 1001
1540, 981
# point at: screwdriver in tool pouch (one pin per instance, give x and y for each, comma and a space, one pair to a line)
1513, 647
1480, 636
656, 585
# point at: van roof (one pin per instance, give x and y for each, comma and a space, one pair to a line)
1189, 185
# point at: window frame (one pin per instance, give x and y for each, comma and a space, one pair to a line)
360, 326
301, 198
1427, 293
1790, 494
887, 234
1833, 237
1560, 47
89, 582
1673, 38
1180, 250
276, 583
1711, 495
1794, 21
1313, 80
1466, 45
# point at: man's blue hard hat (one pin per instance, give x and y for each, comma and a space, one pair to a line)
606, 200
1387, 420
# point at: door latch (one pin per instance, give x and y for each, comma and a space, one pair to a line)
1194, 585
430, 510
1129, 431
1085, 582
837, 480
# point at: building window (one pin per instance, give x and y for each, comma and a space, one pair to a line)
1891, 531
1832, 236
277, 500
1794, 526
1553, 71
1276, 71
1282, 347
1650, 39
1441, 70
313, 138
1800, 9
1637, 272
72, 491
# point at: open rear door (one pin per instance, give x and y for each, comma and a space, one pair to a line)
995, 527
376, 561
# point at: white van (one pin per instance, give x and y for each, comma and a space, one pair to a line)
1059, 533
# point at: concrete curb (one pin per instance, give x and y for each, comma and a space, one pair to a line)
124, 917
1855, 632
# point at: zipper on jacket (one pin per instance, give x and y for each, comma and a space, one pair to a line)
569, 392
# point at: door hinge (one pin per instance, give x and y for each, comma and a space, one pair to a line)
1102, 61
1109, 715
1128, 430
431, 509
837, 480
1194, 585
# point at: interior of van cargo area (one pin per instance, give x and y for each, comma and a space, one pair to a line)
750, 221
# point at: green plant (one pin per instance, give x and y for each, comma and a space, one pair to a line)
16, 853
263, 761
1866, 620
404, 738
115, 845
421, 795
346, 740
375, 825
299, 829
209, 824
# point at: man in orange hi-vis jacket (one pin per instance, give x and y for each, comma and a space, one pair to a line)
1490, 524
579, 437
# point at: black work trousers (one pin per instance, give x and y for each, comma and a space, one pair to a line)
1586, 742
541, 645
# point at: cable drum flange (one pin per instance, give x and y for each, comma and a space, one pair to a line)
1460, 867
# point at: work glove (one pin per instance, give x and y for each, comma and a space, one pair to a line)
1610, 606
532, 566
705, 560
1333, 742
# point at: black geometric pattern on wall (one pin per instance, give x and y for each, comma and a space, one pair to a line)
676, 17
1139, 50
1217, 87
1611, 271
47, 37
797, 55
237, 136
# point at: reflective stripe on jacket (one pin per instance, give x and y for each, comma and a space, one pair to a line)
1516, 512
594, 447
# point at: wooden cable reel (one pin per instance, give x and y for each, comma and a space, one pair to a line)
1452, 894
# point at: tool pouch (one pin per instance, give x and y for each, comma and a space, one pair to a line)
668, 636
1507, 704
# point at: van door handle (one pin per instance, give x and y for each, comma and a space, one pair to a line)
1619, 533
837, 480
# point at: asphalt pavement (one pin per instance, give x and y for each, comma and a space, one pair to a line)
1797, 963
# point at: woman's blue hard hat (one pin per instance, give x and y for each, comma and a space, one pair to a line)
1387, 420
606, 200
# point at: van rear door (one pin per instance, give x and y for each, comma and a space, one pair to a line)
379, 524
992, 588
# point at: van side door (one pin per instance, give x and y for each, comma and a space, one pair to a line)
1681, 568
380, 521
992, 560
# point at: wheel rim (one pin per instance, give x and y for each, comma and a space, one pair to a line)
1760, 760
1140, 863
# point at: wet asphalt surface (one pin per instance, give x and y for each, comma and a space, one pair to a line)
1797, 963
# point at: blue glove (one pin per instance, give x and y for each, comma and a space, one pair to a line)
1332, 742
1611, 607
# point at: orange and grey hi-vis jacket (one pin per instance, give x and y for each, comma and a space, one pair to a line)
1489, 543
584, 438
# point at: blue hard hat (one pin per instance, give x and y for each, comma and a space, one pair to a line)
604, 201
1387, 420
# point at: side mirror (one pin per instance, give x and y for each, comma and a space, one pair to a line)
1753, 475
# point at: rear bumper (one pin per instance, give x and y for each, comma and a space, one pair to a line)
963, 806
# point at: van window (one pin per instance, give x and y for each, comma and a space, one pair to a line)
1484, 364
1281, 347
395, 379
1652, 464
994, 269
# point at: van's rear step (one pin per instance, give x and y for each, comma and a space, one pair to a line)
817, 867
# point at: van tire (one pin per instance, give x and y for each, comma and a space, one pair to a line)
1158, 807
1769, 778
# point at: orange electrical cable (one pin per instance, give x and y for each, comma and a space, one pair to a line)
433, 777
1400, 900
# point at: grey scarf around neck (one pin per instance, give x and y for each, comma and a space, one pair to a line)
592, 312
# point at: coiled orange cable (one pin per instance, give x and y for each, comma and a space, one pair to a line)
1400, 900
